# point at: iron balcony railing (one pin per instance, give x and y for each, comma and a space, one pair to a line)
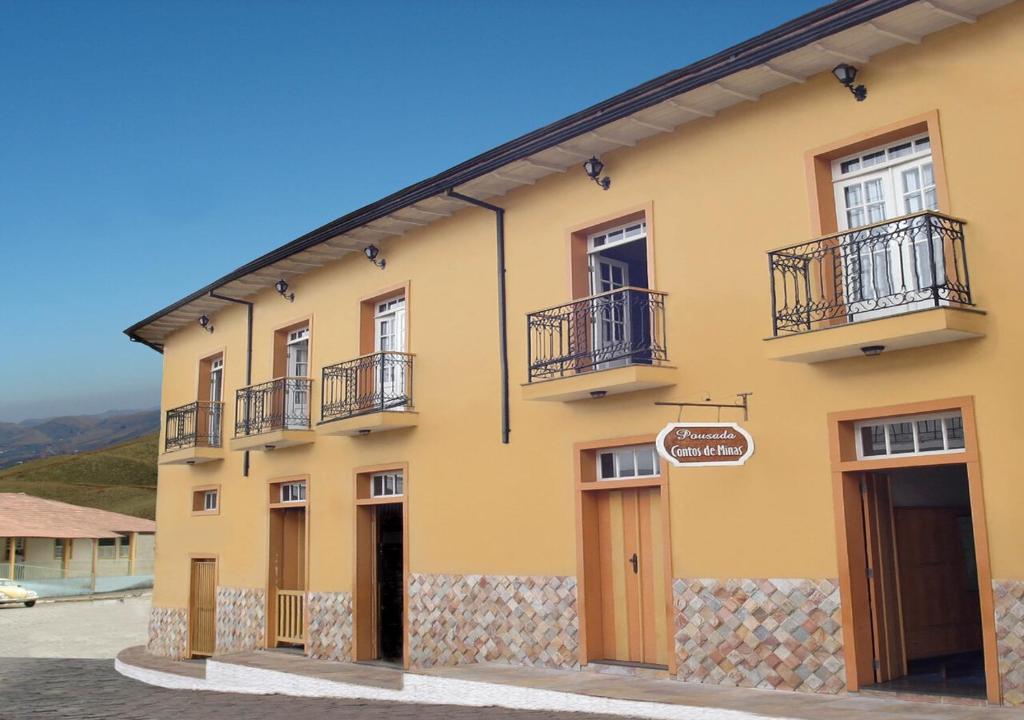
377, 382
197, 424
281, 404
619, 327
909, 263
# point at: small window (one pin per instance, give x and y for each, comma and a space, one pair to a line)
124, 547
623, 463
61, 546
107, 548
386, 484
619, 235
919, 435
293, 492
19, 547
206, 500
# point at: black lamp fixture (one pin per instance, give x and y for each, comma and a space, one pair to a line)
282, 289
204, 323
371, 252
593, 168
847, 75
872, 350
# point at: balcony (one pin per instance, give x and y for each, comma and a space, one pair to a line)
273, 415
895, 285
600, 345
372, 393
192, 434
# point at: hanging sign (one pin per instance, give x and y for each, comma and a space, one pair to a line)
705, 444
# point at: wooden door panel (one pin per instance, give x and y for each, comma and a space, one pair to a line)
941, 610
634, 626
203, 607
883, 579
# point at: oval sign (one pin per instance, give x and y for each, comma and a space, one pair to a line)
705, 444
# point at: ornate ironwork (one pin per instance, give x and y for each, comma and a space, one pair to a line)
620, 327
909, 263
372, 383
281, 404
197, 424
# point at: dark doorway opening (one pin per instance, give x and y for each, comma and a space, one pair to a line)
390, 583
923, 582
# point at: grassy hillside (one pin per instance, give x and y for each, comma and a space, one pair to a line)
50, 437
121, 478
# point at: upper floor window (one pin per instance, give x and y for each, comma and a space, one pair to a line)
912, 435
293, 492
624, 463
629, 232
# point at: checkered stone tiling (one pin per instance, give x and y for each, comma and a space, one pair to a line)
168, 632
766, 633
1009, 605
525, 620
241, 619
330, 626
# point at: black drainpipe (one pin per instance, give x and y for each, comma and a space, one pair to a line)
248, 357
499, 215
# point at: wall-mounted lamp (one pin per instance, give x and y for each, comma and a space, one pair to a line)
371, 252
204, 323
593, 168
847, 75
282, 289
872, 350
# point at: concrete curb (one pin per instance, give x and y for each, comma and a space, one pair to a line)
422, 690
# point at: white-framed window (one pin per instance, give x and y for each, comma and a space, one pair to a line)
934, 434
386, 484
210, 500
623, 463
293, 492
636, 230
124, 547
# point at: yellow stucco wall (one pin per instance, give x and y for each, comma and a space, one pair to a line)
724, 191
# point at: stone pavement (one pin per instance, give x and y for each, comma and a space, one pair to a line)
53, 689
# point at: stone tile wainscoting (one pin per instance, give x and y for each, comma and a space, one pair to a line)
168, 632
767, 633
241, 619
1009, 605
330, 626
526, 620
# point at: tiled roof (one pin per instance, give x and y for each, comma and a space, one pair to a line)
23, 515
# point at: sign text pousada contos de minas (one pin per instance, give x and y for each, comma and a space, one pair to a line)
705, 444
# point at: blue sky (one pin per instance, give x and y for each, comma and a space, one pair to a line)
147, 148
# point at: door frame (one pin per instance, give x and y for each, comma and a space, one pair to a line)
847, 472
585, 484
364, 559
270, 626
216, 583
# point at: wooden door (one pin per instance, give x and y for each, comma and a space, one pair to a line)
287, 576
938, 581
883, 583
202, 614
634, 625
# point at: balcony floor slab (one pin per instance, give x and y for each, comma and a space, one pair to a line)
895, 332
613, 381
191, 456
370, 423
273, 440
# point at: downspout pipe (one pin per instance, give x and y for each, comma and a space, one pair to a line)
499, 216
248, 356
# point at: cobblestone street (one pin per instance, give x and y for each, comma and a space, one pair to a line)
55, 689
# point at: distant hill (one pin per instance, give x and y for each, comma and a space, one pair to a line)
121, 478
33, 439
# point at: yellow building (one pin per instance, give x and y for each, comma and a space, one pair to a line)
377, 447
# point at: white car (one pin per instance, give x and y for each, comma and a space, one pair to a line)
12, 592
